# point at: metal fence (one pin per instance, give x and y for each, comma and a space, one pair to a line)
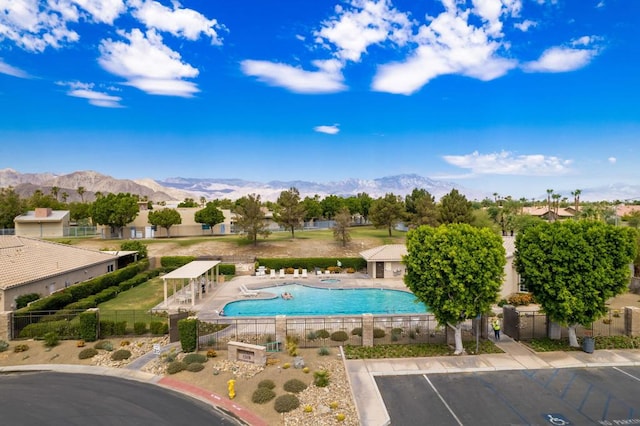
7, 231
79, 231
403, 329
314, 332
255, 330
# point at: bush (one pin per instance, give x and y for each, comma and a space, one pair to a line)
174, 262
197, 358
51, 339
502, 302
211, 353
3, 346
188, 329
194, 367
292, 346
378, 333
120, 355
158, 327
324, 351
107, 328
120, 328
322, 334
294, 385
124, 343
135, 246
286, 366
23, 300
267, 383
20, 348
262, 395
521, 299
105, 345
357, 331
88, 326
176, 367
80, 344
321, 378
87, 353
286, 403
340, 417
139, 327
312, 335
339, 336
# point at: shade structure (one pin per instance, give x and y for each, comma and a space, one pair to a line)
204, 271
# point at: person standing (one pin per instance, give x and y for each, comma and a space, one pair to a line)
496, 328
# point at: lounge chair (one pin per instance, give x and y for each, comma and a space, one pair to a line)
296, 274
272, 274
304, 273
327, 272
281, 275
246, 292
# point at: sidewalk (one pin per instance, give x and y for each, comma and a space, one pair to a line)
371, 408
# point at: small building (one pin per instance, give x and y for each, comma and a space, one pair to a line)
385, 261
31, 265
42, 223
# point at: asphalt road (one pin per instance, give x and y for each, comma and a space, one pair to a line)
605, 396
52, 399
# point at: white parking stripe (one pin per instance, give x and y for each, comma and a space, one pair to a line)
630, 375
442, 399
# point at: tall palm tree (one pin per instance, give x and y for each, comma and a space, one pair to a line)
81, 190
576, 198
549, 193
54, 191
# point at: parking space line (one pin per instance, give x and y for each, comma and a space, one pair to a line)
628, 374
442, 399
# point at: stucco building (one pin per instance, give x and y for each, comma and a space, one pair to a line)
42, 223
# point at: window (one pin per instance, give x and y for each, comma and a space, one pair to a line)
109, 268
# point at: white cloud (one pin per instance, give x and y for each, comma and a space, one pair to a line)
33, 26
525, 25
180, 22
328, 79
561, 59
612, 160
96, 98
104, 11
148, 64
330, 130
11, 70
366, 23
506, 163
448, 45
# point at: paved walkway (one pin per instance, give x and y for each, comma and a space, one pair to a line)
516, 356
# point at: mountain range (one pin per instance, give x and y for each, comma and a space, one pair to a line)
178, 188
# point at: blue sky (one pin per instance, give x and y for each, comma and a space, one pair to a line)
507, 96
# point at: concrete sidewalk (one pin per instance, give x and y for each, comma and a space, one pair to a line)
516, 356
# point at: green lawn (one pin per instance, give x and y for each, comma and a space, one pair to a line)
133, 305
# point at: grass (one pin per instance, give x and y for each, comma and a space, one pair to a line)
416, 350
134, 305
601, 342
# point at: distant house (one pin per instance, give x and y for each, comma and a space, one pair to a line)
42, 223
550, 214
385, 261
31, 265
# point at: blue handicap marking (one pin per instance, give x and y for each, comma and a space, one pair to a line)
556, 419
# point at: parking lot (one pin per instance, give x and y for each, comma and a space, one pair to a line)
570, 396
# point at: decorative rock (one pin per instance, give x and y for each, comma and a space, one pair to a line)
298, 362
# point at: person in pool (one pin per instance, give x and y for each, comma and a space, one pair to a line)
286, 295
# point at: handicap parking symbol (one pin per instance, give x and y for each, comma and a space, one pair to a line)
556, 419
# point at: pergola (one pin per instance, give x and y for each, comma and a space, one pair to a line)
203, 272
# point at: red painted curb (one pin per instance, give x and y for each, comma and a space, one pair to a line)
220, 401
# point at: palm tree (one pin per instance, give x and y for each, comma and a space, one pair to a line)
81, 190
576, 198
549, 193
65, 195
54, 191
556, 203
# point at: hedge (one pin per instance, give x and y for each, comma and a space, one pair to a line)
63, 328
309, 263
88, 326
174, 262
188, 329
227, 269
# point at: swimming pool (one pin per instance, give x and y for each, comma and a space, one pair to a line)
320, 301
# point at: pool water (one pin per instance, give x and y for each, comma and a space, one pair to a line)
330, 280
320, 301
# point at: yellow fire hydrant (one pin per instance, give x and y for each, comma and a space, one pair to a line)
231, 385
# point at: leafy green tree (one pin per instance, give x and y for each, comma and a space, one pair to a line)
290, 210
633, 219
210, 215
331, 204
223, 203
135, 245
341, 226
11, 205
456, 270
188, 202
40, 199
250, 218
114, 210
312, 208
387, 211
165, 218
420, 208
454, 208
365, 204
79, 212
573, 268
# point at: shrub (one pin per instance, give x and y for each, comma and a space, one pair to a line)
135, 246
139, 327
262, 395
286, 365
23, 300
191, 358
333, 405
80, 344
340, 417
188, 329
194, 367
174, 262
323, 334
158, 327
286, 403
267, 383
120, 328
324, 351
211, 353
105, 345
21, 348
521, 299
294, 385
307, 408
292, 346
51, 339
312, 335
3, 346
120, 355
306, 370
321, 378
176, 367
357, 331
124, 343
339, 336
87, 353
107, 328
502, 302
88, 326
378, 333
